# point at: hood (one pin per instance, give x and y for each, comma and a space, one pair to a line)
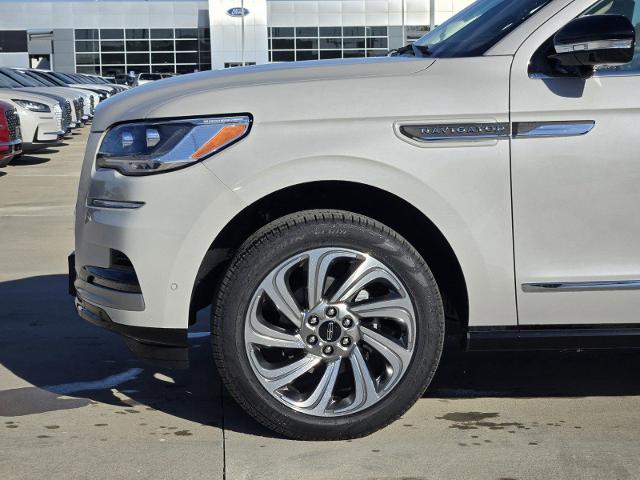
148, 100
47, 92
10, 94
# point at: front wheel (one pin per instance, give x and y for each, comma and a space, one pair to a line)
327, 325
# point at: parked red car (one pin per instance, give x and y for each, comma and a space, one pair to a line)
10, 135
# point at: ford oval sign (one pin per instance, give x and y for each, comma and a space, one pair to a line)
238, 12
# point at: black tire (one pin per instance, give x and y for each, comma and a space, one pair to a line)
289, 236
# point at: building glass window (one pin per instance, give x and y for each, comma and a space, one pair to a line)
283, 56
111, 34
161, 33
183, 69
331, 31
137, 33
187, 45
288, 44
187, 33
93, 70
187, 57
307, 32
112, 58
282, 44
279, 32
163, 58
110, 51
88, 59
86, 34
137, 58
354, 31
137, 45
112, 46
82, 46
162, 45
302, 55
307, 43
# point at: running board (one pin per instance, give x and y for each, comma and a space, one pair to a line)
553, 338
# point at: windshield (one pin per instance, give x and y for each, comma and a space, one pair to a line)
477, 28
27, 82
51, 78
35, 78
6, 82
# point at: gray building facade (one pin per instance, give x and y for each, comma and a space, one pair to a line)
181, 36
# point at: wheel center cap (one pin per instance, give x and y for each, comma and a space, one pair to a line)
330, 331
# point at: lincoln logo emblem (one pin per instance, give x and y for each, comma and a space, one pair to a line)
330, 332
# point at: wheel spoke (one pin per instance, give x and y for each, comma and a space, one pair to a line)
276, 288
397, 356
368, 271
260, 333
398, 309
319, 262
364, 387
275, 378
320, 398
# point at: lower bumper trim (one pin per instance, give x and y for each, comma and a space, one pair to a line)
165, 347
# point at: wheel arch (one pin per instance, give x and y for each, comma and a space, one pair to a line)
364, 199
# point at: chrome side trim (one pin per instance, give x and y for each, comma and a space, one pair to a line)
456, 132
581, 286
552, 129
114, 204
602, 72
613, 44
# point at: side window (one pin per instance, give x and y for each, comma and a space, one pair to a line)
631, 10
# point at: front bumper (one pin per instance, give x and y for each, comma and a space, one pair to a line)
161, 233
10, 149
165, 347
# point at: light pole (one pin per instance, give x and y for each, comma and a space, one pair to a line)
242, 29
404, 29
432, 14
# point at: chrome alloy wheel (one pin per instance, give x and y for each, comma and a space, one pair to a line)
330, 331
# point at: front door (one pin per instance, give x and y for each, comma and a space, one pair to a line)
576, 185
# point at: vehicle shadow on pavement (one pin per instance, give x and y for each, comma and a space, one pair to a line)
535, 374
27, 160
71, 363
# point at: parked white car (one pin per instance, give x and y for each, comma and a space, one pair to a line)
42, 76
70, 102
87, 104
104, 91
340, 216
40, 116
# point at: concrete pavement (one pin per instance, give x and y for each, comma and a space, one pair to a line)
74, 403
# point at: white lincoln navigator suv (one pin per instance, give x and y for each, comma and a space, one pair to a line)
337, 215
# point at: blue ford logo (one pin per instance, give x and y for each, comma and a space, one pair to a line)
238, 12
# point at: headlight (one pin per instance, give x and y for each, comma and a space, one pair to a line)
33, 106
143, 148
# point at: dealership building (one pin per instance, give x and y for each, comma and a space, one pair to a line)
182, 36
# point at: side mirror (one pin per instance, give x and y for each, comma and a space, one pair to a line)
587, 42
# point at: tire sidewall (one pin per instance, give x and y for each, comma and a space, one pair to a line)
257, 258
